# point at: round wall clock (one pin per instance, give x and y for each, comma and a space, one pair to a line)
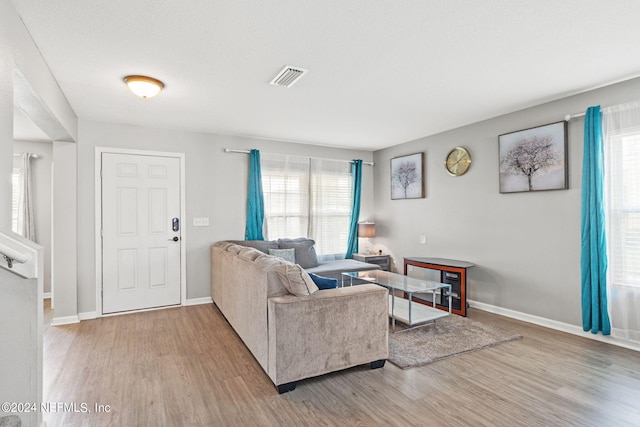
458, 161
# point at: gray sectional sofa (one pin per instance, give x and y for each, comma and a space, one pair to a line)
294, 330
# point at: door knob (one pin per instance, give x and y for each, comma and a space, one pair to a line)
175, 239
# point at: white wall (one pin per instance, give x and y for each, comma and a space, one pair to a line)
25, 79
41, 185
19, 333
526, 246
216, 185
18, 53
6, 113
65, 232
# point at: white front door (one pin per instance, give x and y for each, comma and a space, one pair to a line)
140, 232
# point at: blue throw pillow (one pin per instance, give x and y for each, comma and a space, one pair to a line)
324, 282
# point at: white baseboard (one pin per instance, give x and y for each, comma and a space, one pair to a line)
94, 314
65, 320
552, 324
198, 301
46, 295
88, 315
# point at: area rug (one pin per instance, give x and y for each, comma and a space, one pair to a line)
447, 337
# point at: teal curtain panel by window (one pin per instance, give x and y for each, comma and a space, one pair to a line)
356, 176
593, 257
255, 199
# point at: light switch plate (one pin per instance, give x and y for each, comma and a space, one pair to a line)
201, 222
422, 239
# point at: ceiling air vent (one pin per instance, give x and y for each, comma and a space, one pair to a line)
288, 76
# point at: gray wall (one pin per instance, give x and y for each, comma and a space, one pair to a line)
41, 183
216, 185
526, 246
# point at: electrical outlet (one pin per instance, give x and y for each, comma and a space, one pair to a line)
422, 239
201, 222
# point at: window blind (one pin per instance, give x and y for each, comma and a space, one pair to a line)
623, 210
285, 184
330, 190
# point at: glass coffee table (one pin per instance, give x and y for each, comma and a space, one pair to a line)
405, 310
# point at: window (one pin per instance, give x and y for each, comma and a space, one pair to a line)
330, 205
621, 141
306, 197
15, 199
285, 184
623, 208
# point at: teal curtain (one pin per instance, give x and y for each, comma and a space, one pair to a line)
356, 175
255, 199
593, 258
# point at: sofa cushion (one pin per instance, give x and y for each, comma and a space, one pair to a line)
324, 282
285, 254
305, 251
249, 253
261, 245
296, 280
269, 262
234, 249
223, 245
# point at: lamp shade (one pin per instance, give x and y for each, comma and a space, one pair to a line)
143, 86
366, 229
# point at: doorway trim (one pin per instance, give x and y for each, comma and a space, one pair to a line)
98, 221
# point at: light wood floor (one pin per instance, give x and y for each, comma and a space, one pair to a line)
186, 367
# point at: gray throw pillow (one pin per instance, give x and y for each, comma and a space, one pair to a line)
305, 251
286, 254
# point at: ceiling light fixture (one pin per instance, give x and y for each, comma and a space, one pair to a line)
143, 86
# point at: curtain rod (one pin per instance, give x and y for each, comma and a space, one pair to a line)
575, 116
230, 150
568, 117
35, 156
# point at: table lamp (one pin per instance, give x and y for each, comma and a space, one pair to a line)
366, 230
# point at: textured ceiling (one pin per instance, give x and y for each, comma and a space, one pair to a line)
380, 72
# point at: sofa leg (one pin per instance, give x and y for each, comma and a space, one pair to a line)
283, 388
378, 364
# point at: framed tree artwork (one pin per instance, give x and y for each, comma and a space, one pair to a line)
534, 159
406, 177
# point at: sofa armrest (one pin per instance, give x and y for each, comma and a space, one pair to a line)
329, 330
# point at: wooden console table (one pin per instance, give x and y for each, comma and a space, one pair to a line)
452, 272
